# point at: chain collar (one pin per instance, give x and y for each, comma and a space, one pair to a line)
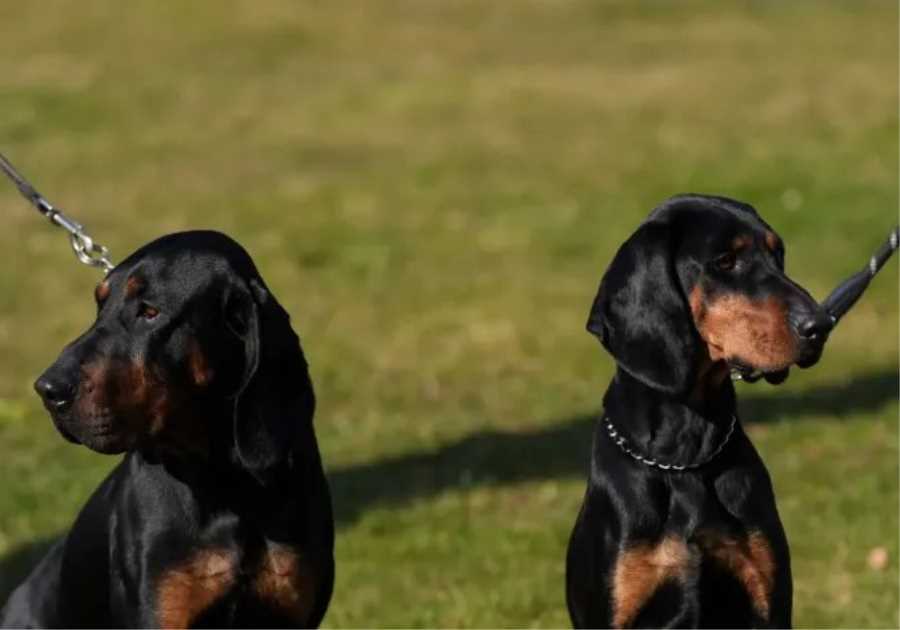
622, 443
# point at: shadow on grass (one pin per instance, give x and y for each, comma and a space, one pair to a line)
864, 392
561, 449
494, 457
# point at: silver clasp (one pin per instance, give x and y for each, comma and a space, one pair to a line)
86, 249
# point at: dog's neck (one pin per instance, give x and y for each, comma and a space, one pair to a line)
217, 480
679, 429
198, 448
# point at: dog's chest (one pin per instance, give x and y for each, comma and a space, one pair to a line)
736, 498
215, 584
644, 568
705, 539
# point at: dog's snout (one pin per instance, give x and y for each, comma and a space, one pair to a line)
814, 326
57, 393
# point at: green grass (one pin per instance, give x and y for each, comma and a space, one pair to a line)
433, 190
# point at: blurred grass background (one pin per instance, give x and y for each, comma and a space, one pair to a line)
433, 190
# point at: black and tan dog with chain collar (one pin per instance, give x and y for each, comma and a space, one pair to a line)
679, 526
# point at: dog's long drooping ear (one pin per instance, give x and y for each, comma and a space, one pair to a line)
275, 401
641, 314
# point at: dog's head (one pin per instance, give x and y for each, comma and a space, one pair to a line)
188, 343
701, 285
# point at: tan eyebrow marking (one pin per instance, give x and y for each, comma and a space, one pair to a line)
741, 242
101, 292
772, 240
134, 286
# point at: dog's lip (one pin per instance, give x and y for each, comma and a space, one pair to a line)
78, 427
808, 362
102, 430
107, 443
64, 431
778, 377
807, 356
105, 437
62, 421
100, 425
750, 373
745, 373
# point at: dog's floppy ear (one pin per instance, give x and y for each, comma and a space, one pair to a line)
641, 314
275, 399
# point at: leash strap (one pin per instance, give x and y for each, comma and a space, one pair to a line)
850, 290
86, 249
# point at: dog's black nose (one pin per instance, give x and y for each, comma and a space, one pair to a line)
55, 393
815, 326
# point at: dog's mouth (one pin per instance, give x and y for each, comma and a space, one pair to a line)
808, 354
106, 439
62, 428
741, 371
99, 432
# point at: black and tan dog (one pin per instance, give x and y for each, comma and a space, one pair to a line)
679, 526
219, 515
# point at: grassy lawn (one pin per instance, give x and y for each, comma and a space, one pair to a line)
433, 190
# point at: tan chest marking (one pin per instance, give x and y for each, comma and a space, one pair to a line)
285, 580
185, 591
750, 560
642, 569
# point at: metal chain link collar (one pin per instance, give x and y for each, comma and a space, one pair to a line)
622, 443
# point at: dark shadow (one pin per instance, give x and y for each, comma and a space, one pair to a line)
562, 448
17, 564
556, 450
488, 457
859, 393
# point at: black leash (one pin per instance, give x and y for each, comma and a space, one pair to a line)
86, 249
846, 294
850, 290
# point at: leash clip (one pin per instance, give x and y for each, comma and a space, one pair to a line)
90, 252
86, 249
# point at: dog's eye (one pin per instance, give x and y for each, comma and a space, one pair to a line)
147, 311
726, 262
